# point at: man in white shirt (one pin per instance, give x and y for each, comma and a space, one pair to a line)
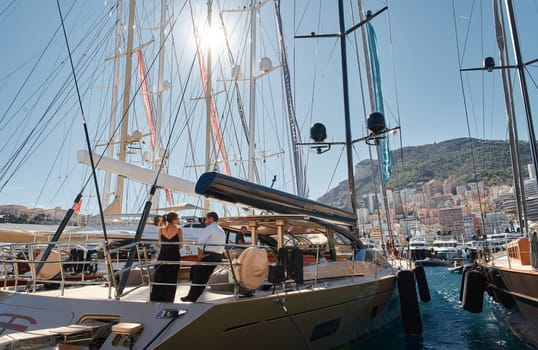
212, 237
210, 250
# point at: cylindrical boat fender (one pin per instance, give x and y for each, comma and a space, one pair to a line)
411, 319
462, 283
473, 291
499, 293
422, 284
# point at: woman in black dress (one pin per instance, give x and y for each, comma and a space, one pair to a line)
169, 237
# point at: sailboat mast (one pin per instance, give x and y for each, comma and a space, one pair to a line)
523, 85
519, 188
373, 108
160, 89
126, 102
114, 107
159, 106
298, 155
252, 94
347, 117
208, 102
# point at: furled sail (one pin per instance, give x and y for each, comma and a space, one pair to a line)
298, 155
384, 149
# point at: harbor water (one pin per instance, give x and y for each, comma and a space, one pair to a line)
446, 326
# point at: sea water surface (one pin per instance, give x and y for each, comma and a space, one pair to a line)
445, 324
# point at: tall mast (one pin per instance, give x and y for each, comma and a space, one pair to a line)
209, 96
252, 96
372, 108
159, 107
519, 189
114, 107
523, 85
347, 117
126, 102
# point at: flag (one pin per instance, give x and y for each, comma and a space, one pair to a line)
168, 196
77, 205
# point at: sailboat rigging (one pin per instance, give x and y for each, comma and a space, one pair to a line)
342, 291
507, 275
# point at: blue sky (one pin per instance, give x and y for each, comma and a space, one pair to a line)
420, 58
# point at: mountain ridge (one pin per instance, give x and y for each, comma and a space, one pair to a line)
468, 159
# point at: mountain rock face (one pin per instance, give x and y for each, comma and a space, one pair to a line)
468, 159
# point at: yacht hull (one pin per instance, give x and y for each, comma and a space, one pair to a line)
310, 320
319, 318
522, 319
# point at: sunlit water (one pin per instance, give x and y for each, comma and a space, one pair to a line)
445, 324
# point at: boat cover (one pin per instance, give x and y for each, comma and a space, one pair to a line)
233, 190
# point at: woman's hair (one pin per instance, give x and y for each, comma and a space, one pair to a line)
171, 216
165, 219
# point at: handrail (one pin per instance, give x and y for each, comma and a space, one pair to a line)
18, 261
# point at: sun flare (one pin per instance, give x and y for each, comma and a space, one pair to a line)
212, 38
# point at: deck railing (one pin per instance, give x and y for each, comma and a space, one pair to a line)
94, 262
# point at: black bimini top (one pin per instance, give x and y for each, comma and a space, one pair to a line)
233, 190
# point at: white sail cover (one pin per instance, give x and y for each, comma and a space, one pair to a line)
137, 173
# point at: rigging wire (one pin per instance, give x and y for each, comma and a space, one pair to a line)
132, 100
396, 96
37, 63
181, 104
371, 162
188, 114
309, 112
147, 206
333, 175
531, 78
12, 166
181, 100
85, 126
7, 7
363, 98
236, 93
482, 213
27, 78
24, 147
394, 75
396, 174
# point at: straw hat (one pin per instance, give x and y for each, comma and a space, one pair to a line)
253, 268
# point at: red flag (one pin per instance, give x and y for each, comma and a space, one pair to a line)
77, 205
168, 196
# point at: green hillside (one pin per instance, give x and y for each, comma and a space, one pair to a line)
468, 159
